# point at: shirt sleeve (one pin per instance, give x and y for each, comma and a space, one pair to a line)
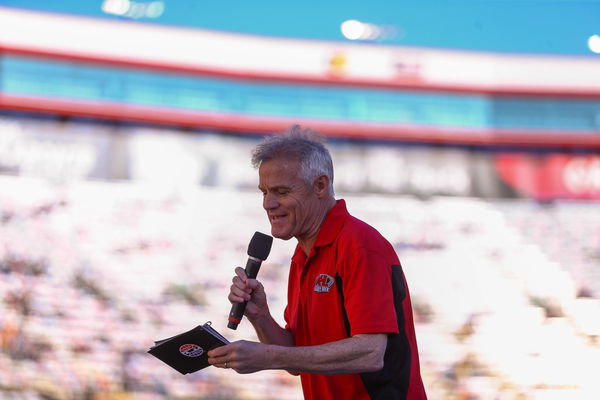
368, 297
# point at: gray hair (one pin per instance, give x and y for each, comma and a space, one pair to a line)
302, 144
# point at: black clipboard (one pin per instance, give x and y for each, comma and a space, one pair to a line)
187, 352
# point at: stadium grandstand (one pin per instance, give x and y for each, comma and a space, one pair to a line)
127, 198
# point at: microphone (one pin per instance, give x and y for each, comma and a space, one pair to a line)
258, 251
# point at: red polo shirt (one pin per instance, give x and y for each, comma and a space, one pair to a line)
346, 287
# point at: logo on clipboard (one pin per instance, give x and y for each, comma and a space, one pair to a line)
191, 350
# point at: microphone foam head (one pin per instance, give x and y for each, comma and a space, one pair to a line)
260, 246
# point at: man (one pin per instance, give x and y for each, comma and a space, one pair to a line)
349, 330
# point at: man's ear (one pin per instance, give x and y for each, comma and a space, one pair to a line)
321, 186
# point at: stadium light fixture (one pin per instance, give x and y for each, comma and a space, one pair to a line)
356, 30
133, 9
353, 29
594, 44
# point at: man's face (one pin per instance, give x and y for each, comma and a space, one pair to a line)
292, 206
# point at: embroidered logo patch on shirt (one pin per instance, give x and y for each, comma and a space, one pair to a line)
323, 283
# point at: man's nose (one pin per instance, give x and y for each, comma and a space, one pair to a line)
270, 202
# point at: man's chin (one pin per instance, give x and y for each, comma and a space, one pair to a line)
281, 235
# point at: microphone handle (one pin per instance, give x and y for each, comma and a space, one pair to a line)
237, 309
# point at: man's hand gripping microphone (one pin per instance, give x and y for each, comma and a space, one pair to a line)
258, 251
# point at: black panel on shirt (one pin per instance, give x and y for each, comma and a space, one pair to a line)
391, 382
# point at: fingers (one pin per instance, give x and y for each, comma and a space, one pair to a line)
239, 291
219, 357
242, 287
241, 272
241, 356
218, 352
237, 295
220, 363
224, 365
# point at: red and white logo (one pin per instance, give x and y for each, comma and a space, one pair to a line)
323, 283
191, 350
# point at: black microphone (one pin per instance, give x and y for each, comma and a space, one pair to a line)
258, 251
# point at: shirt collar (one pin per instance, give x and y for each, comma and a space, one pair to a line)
334, 221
